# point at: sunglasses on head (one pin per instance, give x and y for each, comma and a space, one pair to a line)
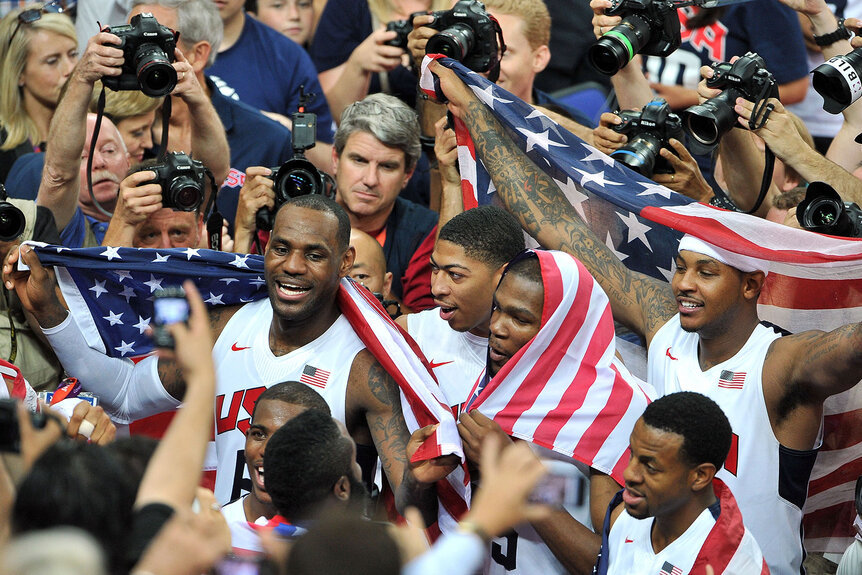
31, 15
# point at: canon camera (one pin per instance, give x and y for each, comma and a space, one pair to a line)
148, 50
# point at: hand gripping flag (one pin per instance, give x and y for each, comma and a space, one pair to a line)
109, 292
815, 281
564, 390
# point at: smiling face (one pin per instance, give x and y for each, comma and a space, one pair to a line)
516, 319
293, 18
657, 480
50, 60
369, 176
708, 293
303, 263
463, 288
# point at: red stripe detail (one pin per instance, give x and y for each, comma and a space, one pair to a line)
812, 294
833, 521
842, 430
725, 536
848, 471
731, 462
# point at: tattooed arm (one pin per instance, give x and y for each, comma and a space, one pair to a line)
641, 303
373, 392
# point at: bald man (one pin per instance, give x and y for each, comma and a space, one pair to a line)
369, 267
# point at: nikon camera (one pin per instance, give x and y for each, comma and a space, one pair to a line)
467, 34
183, 180
746, 78
148, 50
823, 211
648, 132
648, 27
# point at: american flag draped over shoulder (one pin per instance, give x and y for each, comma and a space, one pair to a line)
563, 390
815, 281
110, 291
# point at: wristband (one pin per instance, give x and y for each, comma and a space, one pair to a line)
841, 33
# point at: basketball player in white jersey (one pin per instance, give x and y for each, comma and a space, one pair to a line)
298, 333
703, 334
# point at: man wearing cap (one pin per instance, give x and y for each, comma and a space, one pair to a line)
703, 334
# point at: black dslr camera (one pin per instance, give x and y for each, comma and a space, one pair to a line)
183, 181
648, 131
648, 27
12, 219
838, 81
402, 29
746, 78
148, 50
10, 436
297, 176
823, 211
467, 34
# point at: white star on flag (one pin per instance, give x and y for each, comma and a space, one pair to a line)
487, 96
544, 120
123, 275
597, 177
637, 230
239, 262
228, 281
113, 318
111, 253
160, 259
610, 243
668, 273
128, 293
651, 188
597, 156
192, 252
154, 283
214, 299
257, 282
99, 288
125, 348
539, 139
143, 323
574, 195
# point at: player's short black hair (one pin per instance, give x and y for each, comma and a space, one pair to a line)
303, 461
705, 430
321, 203
294, 393
527, 267
486, 233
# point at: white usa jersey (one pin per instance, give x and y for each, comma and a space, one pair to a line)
768, 480
457, 358
244, 538
246, 366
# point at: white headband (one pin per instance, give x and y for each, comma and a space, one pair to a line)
733, 259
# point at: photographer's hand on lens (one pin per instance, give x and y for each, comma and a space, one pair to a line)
687, 179
101, 58
373, 55
256, 193
602, 22
779, 132
704, 92
418, 38
188, 88
139, 198
605, 139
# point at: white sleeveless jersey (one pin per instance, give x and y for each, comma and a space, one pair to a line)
457, 358
768, 480
631, 549
246, 366
243, 537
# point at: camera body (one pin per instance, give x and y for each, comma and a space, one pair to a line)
10, 436
12, 220
648, 27
468, 34
746, 78
148, 50
401, 28
648, 132
823, 211
297, 176
183, 181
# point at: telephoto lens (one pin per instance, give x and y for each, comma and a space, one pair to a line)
619, 45
838, 81
155, 74
823, 211
455, 42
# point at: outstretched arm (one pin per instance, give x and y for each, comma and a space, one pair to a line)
641, 303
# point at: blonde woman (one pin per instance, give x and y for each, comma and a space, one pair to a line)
133, 113
38, 50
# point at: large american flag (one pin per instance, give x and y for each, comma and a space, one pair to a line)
564, 390
815, 281
110, 290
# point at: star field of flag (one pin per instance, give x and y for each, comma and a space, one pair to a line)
119, 283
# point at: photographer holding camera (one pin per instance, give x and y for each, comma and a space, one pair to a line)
63, 188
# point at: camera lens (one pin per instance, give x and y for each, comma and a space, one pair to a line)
619, 45
185, 194
824, 212
709, 121
455, 41
838, 81
639, 154
11, 222
155, 74
297, 177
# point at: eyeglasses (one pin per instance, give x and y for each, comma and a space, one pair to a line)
33, 14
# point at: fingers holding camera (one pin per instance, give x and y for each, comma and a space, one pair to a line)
605, 139
687, 178
418, 38
374, 55
101, 58
139, 198
704, 92
193, 340
602, 23
256, 193
778, 131
34, 441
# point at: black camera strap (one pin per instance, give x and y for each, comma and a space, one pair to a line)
214, 218
759, 114
100, 112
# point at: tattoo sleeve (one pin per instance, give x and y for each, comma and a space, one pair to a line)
642, 303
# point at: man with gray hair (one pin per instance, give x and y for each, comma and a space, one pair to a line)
375, 154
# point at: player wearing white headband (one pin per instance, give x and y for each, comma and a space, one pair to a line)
703, 334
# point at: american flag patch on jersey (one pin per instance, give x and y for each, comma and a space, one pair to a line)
314, 376
668, 569
731, 379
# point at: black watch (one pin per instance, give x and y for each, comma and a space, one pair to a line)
841, 33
